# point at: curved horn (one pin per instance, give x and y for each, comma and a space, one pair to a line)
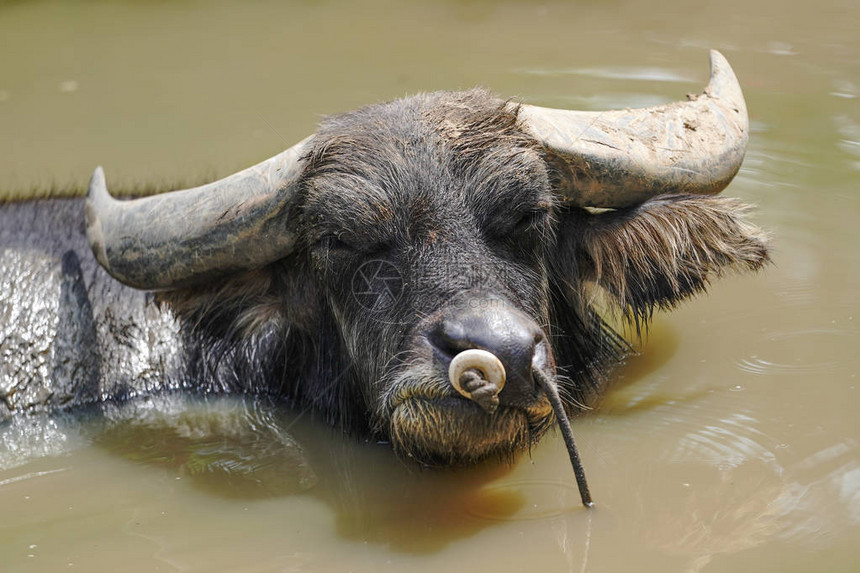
183, 237
621, 158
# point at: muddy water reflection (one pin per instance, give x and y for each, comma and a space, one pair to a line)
731, 444
250, 451
247, 450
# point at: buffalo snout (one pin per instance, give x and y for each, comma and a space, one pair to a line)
478, 321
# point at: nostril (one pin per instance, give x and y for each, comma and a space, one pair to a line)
450, 338
508, 334
540, 353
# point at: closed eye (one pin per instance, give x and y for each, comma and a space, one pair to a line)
333, 242
531, 220
346, 244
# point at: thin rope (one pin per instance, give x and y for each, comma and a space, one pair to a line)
549, 387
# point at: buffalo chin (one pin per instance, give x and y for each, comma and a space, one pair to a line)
452, 431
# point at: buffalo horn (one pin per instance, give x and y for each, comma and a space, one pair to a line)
619, 158
184, 237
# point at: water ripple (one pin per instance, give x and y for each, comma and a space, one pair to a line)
32, 437
643, 73
535, 499
762, 367
29, 476
844, 89
798, 295
823, 494
816, 351
726, 442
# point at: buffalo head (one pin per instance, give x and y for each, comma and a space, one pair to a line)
410, 268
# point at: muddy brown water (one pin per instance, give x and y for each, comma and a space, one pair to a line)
731, 444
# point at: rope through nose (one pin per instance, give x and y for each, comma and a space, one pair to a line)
549, 387
481, 391
479, 376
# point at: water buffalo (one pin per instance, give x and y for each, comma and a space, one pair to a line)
407, 272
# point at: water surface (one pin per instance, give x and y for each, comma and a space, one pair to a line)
731, 444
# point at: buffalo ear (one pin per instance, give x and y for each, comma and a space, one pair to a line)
656, 254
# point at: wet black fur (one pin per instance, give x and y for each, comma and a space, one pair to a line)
420, 183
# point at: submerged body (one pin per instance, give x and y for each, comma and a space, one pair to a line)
468, 213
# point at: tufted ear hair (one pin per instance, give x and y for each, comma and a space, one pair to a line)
658, 253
